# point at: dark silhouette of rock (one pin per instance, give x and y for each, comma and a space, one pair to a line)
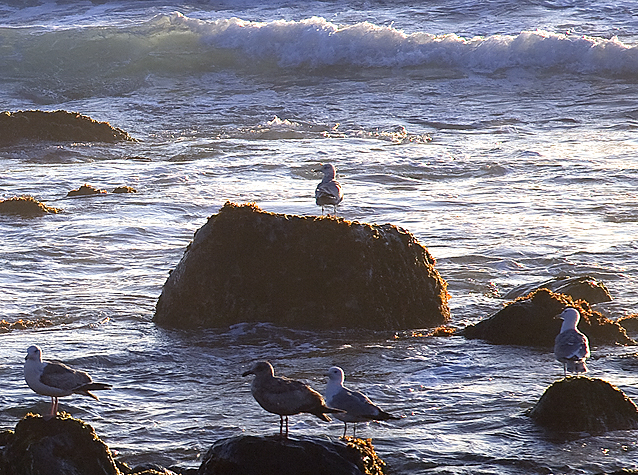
86, 190
629, 322
584, 288
26, 206
250, 455
247, 265
58, 126
60, 446
580, 404
530, 321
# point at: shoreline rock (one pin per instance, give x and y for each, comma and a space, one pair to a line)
582, 287
581, 404
252, 455
57, 126
26, 206
248, 265
529, 321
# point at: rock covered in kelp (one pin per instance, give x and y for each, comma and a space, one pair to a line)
247, 265
580, 404
530, 321
629, 323
585, 288
124, 189
58, 126
86, 190
6, 327
26, 206
59, 446
250, 455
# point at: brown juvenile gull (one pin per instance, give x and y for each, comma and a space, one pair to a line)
571, 347
56, 379
358, 407
284, 396
328, 192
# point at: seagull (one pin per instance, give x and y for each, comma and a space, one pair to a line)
571, 347
357, 405
56, 379
328, 192
284, 396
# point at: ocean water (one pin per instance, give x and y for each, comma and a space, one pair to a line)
503, 134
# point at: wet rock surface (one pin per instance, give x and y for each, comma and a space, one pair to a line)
247, 265
250, 455
58, 126
529, 321
59, 446
26, 206
580, 404
583, 287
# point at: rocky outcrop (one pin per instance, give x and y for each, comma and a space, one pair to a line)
26, 206
86, 190
250, 455
58, 126
580, 404
529, 321
247, 265
59, 446
583, 287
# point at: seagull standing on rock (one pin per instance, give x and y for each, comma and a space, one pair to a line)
358, 407
571, 347
285, 397
328, 192
56, 379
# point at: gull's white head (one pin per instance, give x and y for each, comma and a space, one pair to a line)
335, 375
570, 318
34, 354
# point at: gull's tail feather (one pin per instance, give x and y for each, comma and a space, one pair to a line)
576, 366
92, 387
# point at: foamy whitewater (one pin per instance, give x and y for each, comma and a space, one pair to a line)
503, 134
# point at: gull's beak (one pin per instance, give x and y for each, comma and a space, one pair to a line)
246, 373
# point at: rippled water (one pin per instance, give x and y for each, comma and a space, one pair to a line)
530, 173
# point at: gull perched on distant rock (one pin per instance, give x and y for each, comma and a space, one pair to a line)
357, 405
56, 379
328, 192
285, 397
571, 347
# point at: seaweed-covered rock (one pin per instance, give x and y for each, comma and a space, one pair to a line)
59, 126
250, 455
629, 322
20, 324
247, 265
530, 321
580, 404
60, 446
124, 189
584, 287
26, 206
86, 190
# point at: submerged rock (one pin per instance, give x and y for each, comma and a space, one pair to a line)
584, 288
86, 190
247, 265
59, 126
26, 206
59, 446
124, 189
529, 321
250, 455
580, 404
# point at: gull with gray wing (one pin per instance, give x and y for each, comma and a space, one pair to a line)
571, 347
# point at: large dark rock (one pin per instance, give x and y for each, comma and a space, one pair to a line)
583, 287
580, 404
60, 446
25, 206
58, 126
250, 455
246, 265
530, 321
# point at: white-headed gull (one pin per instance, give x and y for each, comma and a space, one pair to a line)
328, 192
284, 396
358, 407
571, 347
56, 379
